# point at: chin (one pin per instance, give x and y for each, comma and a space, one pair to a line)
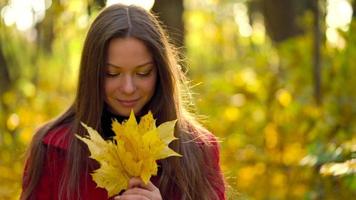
124, 114
127, 112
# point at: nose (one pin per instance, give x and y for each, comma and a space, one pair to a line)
128, 85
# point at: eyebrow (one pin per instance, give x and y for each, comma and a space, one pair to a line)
141, 65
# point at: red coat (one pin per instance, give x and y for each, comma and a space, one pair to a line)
57, 145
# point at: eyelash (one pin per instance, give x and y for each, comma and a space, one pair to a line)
112, 75
142, 74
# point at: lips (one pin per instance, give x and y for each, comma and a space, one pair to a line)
128, 103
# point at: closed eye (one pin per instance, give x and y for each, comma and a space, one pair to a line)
144, 73
112, 74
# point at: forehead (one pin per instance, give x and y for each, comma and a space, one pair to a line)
128, 52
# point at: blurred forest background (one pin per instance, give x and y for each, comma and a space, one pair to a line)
273, 78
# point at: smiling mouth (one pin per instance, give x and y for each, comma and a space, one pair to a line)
128, 103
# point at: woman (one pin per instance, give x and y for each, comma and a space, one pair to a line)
127, 63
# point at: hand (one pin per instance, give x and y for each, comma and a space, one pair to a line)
138, 190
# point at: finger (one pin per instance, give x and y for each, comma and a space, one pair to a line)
150, 186
136, 182
131, 197
139, 191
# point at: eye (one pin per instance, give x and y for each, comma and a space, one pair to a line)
112, 74
144, 73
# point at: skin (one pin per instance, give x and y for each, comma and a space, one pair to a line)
130, 81
137, 190
130, 76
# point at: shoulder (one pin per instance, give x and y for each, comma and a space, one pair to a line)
206, 141
202, 136
210, 144
58, 137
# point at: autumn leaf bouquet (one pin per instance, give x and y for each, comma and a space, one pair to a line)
133, 152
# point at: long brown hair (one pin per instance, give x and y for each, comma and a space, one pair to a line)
188, 175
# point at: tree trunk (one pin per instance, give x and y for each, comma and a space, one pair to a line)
281, 19
316, 53
171, 14
46, 29
4, 86
4, 74
354, 9
95, 5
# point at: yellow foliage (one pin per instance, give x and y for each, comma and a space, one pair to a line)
133, 153
247, 77
279, 179
260, 168
231, 113
299, 190
293, 153
13, 122
284, 97
245, 176
26, 135
271, 136
312, 111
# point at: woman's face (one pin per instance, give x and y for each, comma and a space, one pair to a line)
130, 76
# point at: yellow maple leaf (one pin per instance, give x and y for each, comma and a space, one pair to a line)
132, 153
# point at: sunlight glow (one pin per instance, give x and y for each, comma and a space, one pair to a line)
238, 99
334, 38
146, 4
338, 17
24, 14
241, 19
339, 14
13, 121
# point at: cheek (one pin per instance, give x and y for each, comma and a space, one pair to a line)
109, 87
148, 86
151, 85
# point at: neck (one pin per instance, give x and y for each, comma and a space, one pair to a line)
106, 121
